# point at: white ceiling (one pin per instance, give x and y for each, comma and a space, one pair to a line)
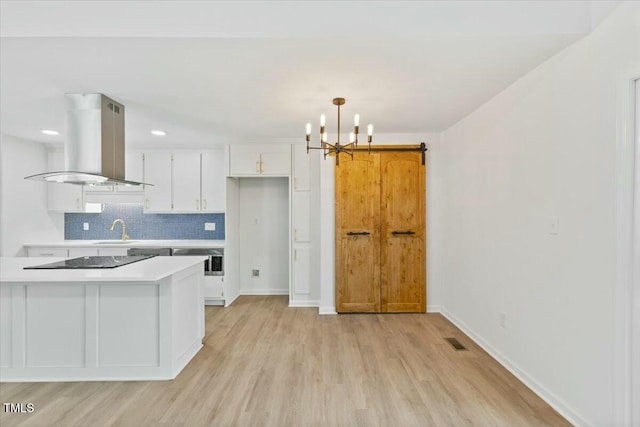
217, 72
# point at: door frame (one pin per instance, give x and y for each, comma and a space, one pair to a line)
626, 363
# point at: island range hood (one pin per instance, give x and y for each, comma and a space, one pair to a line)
94, 146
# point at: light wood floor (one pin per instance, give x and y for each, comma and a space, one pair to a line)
264, 364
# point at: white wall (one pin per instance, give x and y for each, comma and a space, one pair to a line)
23, 203
264, 235
232, 241
543, 148
635, 304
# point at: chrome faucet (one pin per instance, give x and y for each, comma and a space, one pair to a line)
125, 236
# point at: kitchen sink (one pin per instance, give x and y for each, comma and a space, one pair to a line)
111, 242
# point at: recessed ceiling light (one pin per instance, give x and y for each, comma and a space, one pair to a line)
50, 132
158, 132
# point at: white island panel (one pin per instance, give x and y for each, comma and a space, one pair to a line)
49, 310
129, 325
188, 325
5, 327
141, 321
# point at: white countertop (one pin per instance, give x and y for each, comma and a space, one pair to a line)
127, 244
148, 270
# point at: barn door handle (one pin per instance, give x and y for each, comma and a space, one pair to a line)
403, 232
358, 233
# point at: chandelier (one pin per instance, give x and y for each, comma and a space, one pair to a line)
336, 147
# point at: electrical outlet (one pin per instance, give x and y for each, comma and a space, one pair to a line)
210, 226
85, 226
255, 273
503, 320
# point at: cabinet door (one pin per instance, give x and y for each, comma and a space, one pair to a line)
213, 287
52, 252
157, 171
301, 168
275, 160
357, 195
402, 245
78, 252
112, 251
62, 197
244, 160
186, 181
133, 171
301, 213
301, 271
213, 181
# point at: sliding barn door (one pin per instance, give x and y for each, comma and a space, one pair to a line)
402, 243
380, 233
358, 233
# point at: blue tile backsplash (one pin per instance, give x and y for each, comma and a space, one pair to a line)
142, 226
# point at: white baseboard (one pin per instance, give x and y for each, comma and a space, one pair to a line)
554, 401
266, 292
327, 310
304, 303
228, 302
434, 309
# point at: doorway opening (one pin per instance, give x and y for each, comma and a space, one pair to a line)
264, 236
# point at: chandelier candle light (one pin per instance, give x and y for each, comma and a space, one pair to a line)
337, 147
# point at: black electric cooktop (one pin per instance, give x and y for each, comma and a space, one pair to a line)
91, 262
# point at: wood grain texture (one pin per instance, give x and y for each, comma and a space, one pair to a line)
403, 258
383, 194
358, 256
264, 364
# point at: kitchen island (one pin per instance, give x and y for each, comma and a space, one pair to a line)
142, 321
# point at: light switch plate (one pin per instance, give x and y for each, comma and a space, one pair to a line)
210, 226
554, 225
85, 226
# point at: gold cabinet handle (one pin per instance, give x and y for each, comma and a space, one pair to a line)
204, 204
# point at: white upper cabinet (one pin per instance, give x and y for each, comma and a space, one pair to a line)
186, 181
157, 171
259, 159
276, 160
301, 168
133, 172
133, 164
212, 181
62, 197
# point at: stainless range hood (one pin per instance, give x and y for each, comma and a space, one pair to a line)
94, 147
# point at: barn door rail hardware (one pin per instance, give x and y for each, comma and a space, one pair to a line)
422, 147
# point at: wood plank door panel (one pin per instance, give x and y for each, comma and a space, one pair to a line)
358, 233
402, 246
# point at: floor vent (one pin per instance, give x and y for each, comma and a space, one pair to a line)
455, 344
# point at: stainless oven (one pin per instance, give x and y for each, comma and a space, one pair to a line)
213, 266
